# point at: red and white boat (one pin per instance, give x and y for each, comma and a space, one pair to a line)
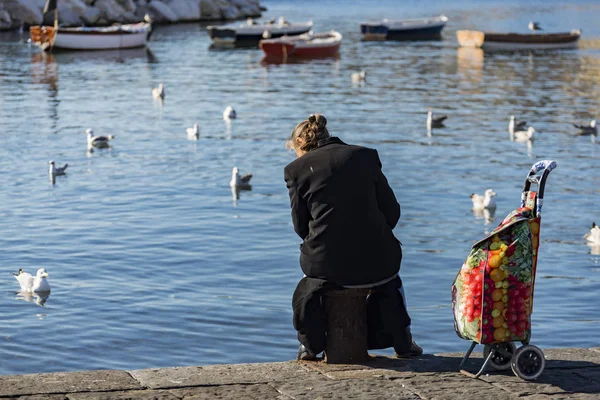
307, 45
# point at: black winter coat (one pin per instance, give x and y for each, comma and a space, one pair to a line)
344, 210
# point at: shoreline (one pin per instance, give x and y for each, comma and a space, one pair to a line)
573, 372
21, 14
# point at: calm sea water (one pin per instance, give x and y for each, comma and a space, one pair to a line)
153, 262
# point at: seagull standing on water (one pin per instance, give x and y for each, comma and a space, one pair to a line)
193, 132
593, 236
239, 181
513, 125
56, 171
590, 129
534, 26
159, 92
359, 76
97, 141
524, 136
229, 113
484, 202
30, 284
435, 122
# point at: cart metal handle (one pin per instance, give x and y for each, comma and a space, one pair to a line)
540, 180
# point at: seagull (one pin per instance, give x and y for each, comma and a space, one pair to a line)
593, 236
193, 132
239, 181
515, 125
97, 141
56, 171
359, 76
159, 92
590, 129
229, 113
524, 136
435, 122
30, 284
534, 26
484, 202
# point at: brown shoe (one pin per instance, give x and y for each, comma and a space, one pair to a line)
415, 350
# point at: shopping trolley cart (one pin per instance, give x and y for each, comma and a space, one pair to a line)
492, 295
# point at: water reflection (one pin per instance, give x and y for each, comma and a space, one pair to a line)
118, 55
273, 60
36, 298
487, 215
235, 192
470, 63
594, 248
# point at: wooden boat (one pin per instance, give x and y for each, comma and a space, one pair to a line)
251, 32
518, 41
91, 38
409, 29
307, 45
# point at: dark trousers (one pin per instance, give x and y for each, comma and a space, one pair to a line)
387, 318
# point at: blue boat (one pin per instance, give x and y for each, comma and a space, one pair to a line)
408, 29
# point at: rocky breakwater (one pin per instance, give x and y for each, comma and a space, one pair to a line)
17, 13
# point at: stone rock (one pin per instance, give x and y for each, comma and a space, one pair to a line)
230, 12
185, 10
128, 5
26, 11
77, 6
250, 11
91, 15
5, 20
160, 12
209, 10
110, 10
67, 16
239, 3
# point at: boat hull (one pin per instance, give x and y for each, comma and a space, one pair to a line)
124, 37
515, 42
423, 29
313, 46
252, 35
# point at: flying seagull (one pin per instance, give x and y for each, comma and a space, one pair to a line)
534, 26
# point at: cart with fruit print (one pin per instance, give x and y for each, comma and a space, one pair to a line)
492, 295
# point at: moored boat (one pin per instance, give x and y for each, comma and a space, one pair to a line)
307, 45
118, 36
252, 32
518, 41
408, 29
91, 38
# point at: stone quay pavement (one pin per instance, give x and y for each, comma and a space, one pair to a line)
569, 374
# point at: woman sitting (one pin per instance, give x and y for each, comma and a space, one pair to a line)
344, 211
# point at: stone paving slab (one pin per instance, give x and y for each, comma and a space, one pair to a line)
369, 389
571, 358
258, 391
66, 382
124, 395
164, 378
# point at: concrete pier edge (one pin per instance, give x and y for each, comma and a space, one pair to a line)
572, 373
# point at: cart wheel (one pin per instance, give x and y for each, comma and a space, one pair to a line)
528, 362
503, 354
